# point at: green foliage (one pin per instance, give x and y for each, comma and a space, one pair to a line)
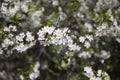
72, 7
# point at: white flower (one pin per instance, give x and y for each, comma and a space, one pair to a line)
104, 54
48, 29
9, 11
7, 42
118, 40
35, 72
62, 16
1, 51
69, 39
22, 77
84, 54
37, 14
13, 28
21, 47
20, 37
89, 72
10, 28
55, 3
12, 11
81, 39
29, 37
95, 78
88, 69
87, 44
99, 72
7, 29
36, 67
35, 17
41, 35
65, 30
106, 76
74, 47
104, 26
24, 7
99, 29
89, 27
98, 78
34, 75
4, 8
89, 37
58, 33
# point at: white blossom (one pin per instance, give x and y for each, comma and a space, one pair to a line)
89, 27
104, 54
48, 29
7, 42
55, 3
74, 47
35, 17
89, 37
84, 54
35, 72
22, 77
21, 47
87, 44
29, 37
91, 75
118, 40
99, 73
41, 35
24, 6
1, 51
20, 37
13, 28
82, 39
88, 69
58, 33
7, 29
9, 11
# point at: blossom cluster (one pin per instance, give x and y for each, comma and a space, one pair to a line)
46, 36
80, 30
99, 76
